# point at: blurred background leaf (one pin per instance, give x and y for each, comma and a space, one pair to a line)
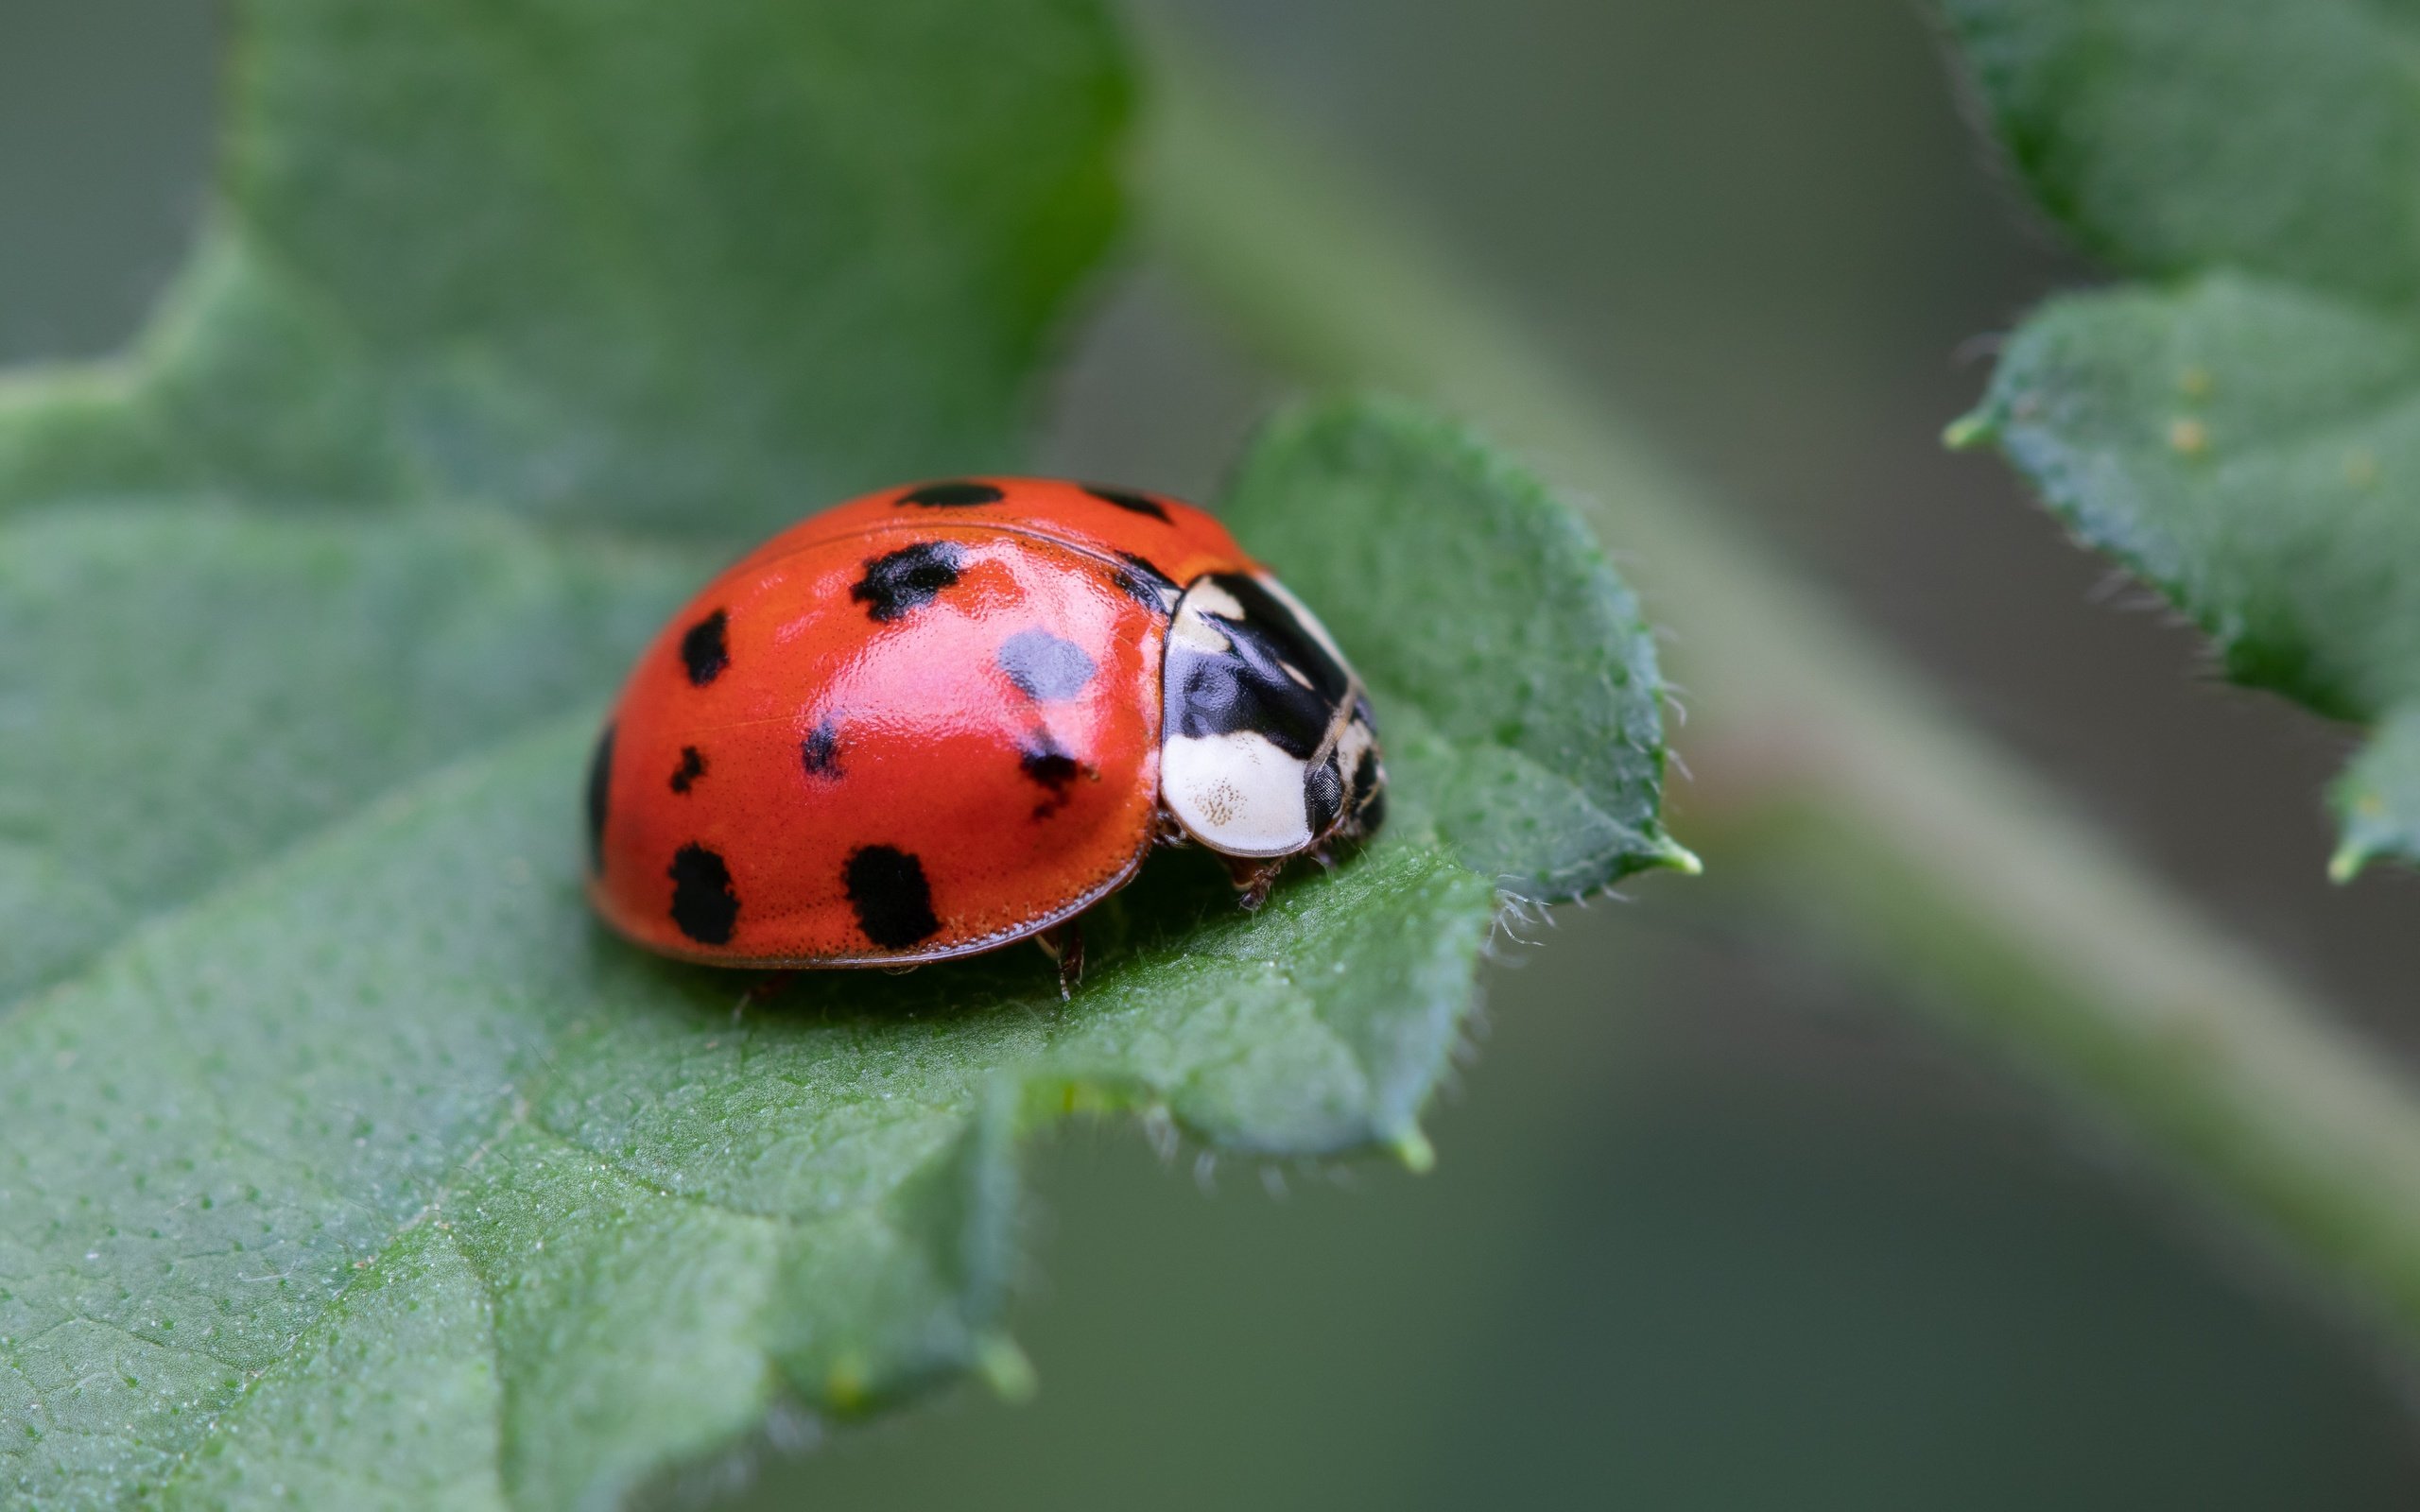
606, 265
2247, 437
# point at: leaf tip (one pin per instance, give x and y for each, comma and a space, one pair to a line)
2369, 826
1969, 431
1005, 1368
844, 1384
2348, 861
1412, 1148
1672, 853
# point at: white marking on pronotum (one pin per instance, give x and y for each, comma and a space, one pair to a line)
1302, 614
1193, 625
1238, 794
1349, 747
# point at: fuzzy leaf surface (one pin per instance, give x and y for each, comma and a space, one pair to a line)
186, 690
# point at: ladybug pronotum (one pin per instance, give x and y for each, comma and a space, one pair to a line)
938, 720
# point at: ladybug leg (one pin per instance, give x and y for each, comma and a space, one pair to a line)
1071, 960
1065, 943
761, 991
1253, 879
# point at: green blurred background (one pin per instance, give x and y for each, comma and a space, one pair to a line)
1715, 1225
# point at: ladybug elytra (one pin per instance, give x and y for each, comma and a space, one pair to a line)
938, 720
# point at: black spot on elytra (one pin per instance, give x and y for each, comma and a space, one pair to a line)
1048, 763
907, 578
954, 495
1045, 668
704, 904
1129, 500
706, 649
1250, 685
894, 903
600, 783
820, 752
693, 765
1145, 584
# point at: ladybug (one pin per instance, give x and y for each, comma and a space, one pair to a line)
938, 720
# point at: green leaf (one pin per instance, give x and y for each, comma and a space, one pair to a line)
350, 1162
158, 741
2170, 136
404, 1074
2247, 437
1475, 605
388, 1128
698, 268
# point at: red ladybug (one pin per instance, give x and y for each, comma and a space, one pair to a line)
938, 720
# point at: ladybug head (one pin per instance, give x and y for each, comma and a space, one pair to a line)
1267, 744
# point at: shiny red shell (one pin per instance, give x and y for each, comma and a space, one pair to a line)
921, 724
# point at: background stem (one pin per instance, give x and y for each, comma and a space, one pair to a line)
1822, 762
